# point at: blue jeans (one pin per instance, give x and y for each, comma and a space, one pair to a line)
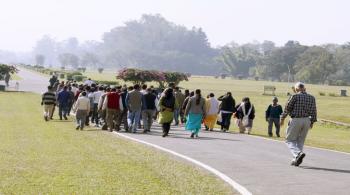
63, 110
176, 116
134, 119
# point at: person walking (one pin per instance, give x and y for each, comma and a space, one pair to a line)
301, 107
272, 116
71, 100
195, 112
81, 109
123, 119
63, 99
103, 112
245, 115
212, 109
148, 109
48, 101
96, 96
167, 104
53, 80
113, 105
183, 106
180, 98
134, 103
227, 108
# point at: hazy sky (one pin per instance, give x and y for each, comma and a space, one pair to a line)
23, 22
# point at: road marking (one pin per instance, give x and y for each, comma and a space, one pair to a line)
242, 190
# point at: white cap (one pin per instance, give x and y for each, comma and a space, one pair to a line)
299, 85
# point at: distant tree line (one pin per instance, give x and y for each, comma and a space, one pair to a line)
153, 43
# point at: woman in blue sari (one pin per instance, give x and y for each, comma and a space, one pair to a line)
195, 113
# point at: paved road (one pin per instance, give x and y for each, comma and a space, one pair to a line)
260, 165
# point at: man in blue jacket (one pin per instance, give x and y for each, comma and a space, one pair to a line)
63, 99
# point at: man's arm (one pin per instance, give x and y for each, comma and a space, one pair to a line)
288, 109
313, 113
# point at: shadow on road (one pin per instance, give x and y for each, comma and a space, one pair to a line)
326, 169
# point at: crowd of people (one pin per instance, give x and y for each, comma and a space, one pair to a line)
137, 107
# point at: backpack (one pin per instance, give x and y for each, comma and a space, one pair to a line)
245, 119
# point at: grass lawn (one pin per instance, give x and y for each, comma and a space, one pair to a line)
40, 157
332, 108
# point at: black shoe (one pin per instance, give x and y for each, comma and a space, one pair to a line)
192, 135
270, 135
299, 158
65, 118
278, 135
46, 118
77, 128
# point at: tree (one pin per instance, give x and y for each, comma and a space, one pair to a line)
7, 69
67, 59
315, 65
47, 47
90, 59
40, 59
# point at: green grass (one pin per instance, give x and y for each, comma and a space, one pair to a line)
332, 108
40, 157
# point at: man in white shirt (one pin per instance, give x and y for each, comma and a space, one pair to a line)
82, 109
88, 82
96, 99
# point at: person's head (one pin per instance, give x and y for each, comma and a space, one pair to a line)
49, 88
177, 89
229, 94
83, 93
108, 89
101, 88
89, 79
168, 93
136, 87
299, 87
65, 88
172, 85
192, 93
69, 88
274, 100
187, 92
211, 95
130, 88
144, 86
149, 90
246, 100
114, 89
88, 88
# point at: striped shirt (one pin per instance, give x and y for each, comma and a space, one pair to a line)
301, 105
49, 98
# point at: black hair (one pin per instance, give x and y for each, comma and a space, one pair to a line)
168, 93
144, 86
114, 89
211, 95
192, 93
49, 87
83, 93
136, 86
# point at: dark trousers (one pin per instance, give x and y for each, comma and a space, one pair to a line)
166, 128
62, 110
226, 120
95, 118
271, 122
123, 119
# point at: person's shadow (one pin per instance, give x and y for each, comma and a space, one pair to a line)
326, 169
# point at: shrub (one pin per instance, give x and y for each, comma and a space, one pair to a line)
332, 94
107, 83
4, 69
72, 74
63, 68
100, 70
223, 76
322, 93
256, 78
79, 78
62, 76
82, 69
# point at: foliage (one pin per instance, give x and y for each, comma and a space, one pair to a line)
67, 59
79, 78
175, 77
40, 59
100, 70
7, 69
139, 76
109, 83
82, 69
72, 74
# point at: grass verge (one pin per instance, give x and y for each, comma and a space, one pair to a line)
40, 157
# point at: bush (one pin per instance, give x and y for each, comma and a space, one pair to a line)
82, 69
256, 78
72, 74
79, 78
115, 83
63, 68
322, 93
223, 76
62, 76
100, 70
332, 94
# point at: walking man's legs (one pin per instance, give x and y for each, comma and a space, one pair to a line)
270, 121
278, 126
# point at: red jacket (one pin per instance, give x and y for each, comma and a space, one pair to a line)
113, 100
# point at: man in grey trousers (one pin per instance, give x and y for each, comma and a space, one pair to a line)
301, 107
